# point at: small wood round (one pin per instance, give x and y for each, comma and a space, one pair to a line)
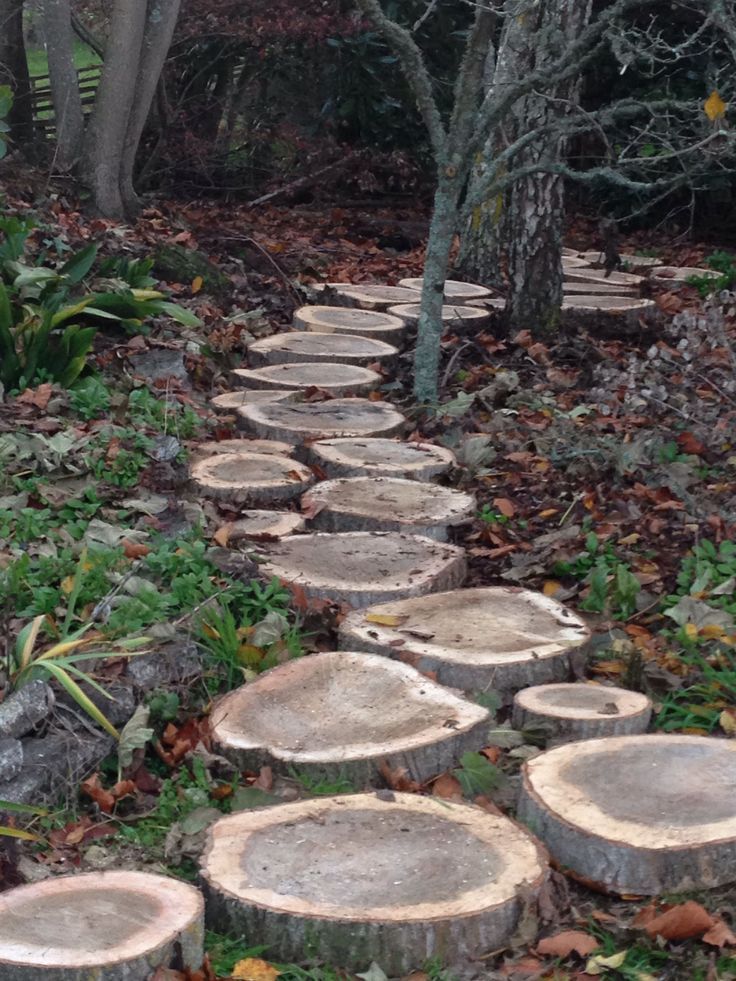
381, 458
320, 348
362, 323
361, 568
250, 477
452, 314
498, 637
642, 265
672, 277
269, 446
581, 711
637, 814
354, 879
337, 379
569, 252
375, 296
341, 715
309, 421
387, 504
455, 291
597, 276
232, 401
265, 525
574, 262
106, 926
591, 310
596, 289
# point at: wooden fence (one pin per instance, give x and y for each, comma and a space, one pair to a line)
43, 107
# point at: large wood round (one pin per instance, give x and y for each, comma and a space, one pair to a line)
337, 379
637, 814
605, 313
642, 265
298, 345
453, 315
264, 526
381, 458
597, 276
574, 262
271, 447
455, 291
102, 926
387, 504
355, 879
581, 711
498, 637
230, 402
375, 296
307, 421
360, 568
597, 289
341, 320
672, 277
250, 477
342, 714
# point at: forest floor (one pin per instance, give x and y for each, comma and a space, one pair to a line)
605, 474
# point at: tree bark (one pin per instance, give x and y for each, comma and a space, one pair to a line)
14, 70
64, 84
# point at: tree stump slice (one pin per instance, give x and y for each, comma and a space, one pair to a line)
452, 314
254, 478
639, 264
596, 289
270, 446
596, 276
265, 525
497, 637
606, 314
637, 814
455, 291
375, 296
361, 568
574, 262
337, 379
341, 715
320, 348
309, 421
387, 504
381, 458
581, 711
672, 277
105, 926
230, 402
356, 323
566, 251
355, 879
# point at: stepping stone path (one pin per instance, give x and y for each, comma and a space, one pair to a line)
359, 323
624, 309
343, 715
270, 446
337, 379
358, 878
643, 265
351, 457
232, 401
106, 926
377, 297
637, 814
596, 276
325, 348
594, 289
387, 504
302, 422
250, 478
265, 525
672, 277
452, 316
495, 637
581, 711
455, 292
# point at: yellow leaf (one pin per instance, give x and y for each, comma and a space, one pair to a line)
253, 969
385, 619
197, 284
711, 631
630, 539
549, 512
691, 631
222, 535
250, 655
67, 585
714, 106
551, 587
600, 964
727, 721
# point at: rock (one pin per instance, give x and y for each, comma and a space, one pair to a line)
496, 637
11, 758
308, 421
361, 568
455, 291
175, 264
53, 767
159, 364
321, 348
646, 814
337, 379
25, 708
106, 926
387, 504
250, 478
171, 664
360, 323
353, 457
341, 715
581, 711
358, 879
452, 314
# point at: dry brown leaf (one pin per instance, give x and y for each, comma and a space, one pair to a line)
134, 550
222, 535
568, 942
447, 787
386, 619
719, 934
505, 506
681, 922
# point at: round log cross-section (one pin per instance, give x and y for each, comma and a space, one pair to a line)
581, 711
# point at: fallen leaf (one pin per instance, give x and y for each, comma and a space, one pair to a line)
727, 721
568, 942
447, 787
103, 798
254, 969
38, 397
222, 535
551, 587
714, 107
597, 965
719, 934
385, 619
197, 284
505, 506
681, 922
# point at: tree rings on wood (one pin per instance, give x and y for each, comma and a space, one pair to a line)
637, 814
596, 289
264, 526
254, 478
337, 379
361, 567
455, 291
453, 315
672, 277
341, 714
299, 345
596, 276
353, 457
213, 447
581, 711
110, 926
375, 296
306, 421
387, 504
496, 637
355, 879
361, 323
592, 311
230, 402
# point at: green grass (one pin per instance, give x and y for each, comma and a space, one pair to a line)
38, 62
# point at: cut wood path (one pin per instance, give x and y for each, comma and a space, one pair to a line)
383, 876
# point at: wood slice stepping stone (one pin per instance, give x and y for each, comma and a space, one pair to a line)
581, 711
264, 525
387, 504
672, 277
337, 379
251, 478
640, 264
356, 879
498, 637
362, 567
452, 315
575, 262
270, 446
343, 714
626, 310
301, 346
594, 289
596, 276
230, 402
569, 252
375, 296
305, 421
106, 926
637, 814
381, 458
455, 291
373, 324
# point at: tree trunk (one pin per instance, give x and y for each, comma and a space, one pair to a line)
64, 84
162, 17
14, 70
